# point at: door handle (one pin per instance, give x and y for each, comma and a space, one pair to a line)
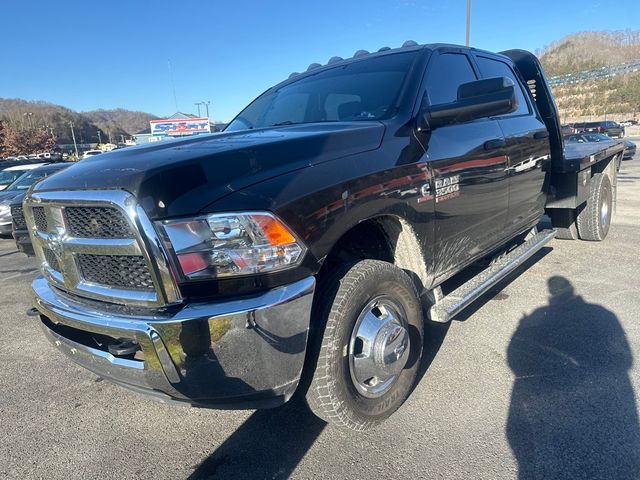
540, 135
495, 144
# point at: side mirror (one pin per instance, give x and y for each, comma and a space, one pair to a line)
477, 99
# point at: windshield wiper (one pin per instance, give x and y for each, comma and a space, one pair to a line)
286, 122
289, 122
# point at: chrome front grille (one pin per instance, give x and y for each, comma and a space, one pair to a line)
121, 271
100, 244
18, 217
51, 259
40, 218
97, 222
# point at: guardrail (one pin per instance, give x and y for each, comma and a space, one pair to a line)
596, 74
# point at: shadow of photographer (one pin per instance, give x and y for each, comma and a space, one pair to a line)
573, 409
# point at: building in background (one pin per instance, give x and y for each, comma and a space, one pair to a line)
177, 125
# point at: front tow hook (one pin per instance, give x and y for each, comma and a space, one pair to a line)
123, 347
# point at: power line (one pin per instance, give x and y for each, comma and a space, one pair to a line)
596, 74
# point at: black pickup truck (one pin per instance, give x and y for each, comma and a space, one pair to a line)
303, 248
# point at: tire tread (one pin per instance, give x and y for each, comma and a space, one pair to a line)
588, 220
321, 395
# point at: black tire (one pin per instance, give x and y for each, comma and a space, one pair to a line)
564, 221
331, 392
594, 219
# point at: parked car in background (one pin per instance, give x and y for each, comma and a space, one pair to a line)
629, 150
12, 162
91, 153
49, 156
612, 129
567, 129
594, 138
13, 221
588, 138
11, 174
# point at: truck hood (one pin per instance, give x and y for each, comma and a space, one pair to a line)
6, 197
180, 177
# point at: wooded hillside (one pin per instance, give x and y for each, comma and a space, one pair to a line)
110, 123
616, 98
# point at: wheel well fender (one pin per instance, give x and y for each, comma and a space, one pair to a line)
389, 238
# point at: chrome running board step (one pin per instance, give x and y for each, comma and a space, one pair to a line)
452, 304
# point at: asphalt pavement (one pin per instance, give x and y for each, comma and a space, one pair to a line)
538, 379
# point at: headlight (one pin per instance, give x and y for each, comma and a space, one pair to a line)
5, 210
232, 244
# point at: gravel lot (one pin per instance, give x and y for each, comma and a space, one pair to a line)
536, 380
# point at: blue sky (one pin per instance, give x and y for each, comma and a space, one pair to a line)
87, 55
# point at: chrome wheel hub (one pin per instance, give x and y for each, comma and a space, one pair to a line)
379, 347
604, 213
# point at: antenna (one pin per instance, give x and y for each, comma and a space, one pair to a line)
468, 22
173, 85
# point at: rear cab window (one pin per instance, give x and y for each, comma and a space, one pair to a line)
491, 68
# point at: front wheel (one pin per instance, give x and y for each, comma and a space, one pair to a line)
369, 347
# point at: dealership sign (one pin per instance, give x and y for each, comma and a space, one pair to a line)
182, 126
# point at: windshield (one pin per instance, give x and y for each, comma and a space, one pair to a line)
589, 137
597, 137
26, 180
7, 177
364, 90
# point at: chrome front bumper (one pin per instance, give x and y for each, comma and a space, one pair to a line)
5, 229
23, 241
244, 353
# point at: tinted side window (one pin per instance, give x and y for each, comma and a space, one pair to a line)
490, 68
446, 73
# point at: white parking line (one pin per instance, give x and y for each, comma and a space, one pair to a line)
16, 275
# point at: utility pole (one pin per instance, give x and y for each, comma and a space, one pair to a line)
197, 104
468, 21
75, 145
206, 104
29, 115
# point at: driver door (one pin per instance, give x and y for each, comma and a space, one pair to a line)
469, 168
